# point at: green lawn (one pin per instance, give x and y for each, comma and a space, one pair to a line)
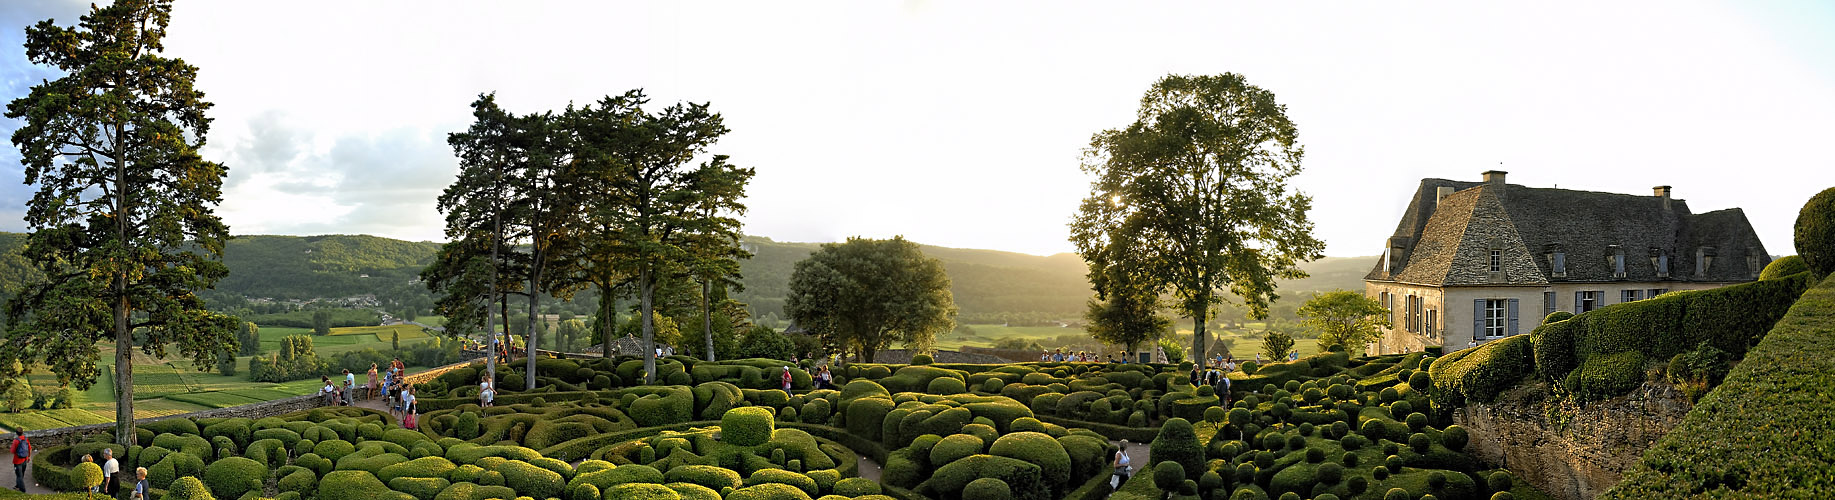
171, 386
1245, 342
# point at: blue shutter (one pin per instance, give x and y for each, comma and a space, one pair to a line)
1560, 262
1512, 316
1577, 302
1618, 264
1478, 318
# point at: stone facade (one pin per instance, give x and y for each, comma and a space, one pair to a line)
1535, 251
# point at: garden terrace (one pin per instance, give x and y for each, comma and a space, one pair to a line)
1764, 432
1031, 431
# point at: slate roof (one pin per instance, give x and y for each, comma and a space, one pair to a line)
1450, 244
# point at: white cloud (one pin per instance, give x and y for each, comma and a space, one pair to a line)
960, 124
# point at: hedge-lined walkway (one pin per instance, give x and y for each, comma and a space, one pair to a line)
1766, 431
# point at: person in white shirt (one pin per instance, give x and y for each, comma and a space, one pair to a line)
328, 391
1124, 467
485, 394
110, 466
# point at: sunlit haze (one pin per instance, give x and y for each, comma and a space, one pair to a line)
961, 123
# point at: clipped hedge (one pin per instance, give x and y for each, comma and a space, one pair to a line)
233, 476
747, 426
1480, 374
1762, 433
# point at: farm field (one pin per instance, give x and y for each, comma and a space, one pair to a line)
1246, 342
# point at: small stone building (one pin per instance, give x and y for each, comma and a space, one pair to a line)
1476, 261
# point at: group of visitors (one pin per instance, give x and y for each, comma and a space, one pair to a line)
1076, 357
21, 449
824, 379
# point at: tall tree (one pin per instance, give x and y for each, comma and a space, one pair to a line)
868, 293
715, 264
1197, 188
656, 203
123, 224
470, 273
547, 202
1345, 318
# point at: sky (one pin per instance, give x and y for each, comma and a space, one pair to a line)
962, 124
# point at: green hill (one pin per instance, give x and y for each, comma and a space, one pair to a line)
990, 285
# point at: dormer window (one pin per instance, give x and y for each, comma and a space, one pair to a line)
1704, 258
1752, 263
1660, 262
1557, 260
1497, 260
1617, 260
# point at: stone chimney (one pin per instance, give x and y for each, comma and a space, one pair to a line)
1495, 178
1663, 192
1440, 194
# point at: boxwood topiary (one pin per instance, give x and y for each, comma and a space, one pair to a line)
233, 476
423, 488
642, 491
946, 386
1168, 475
1023, 477
1454, 437
1177, 442
747, 426
780, 476
172, 467
856, 487
188, 488
766, 491
419, 467
704, 475
1041, 450
690, 491
357, 485
987, 488
1815, 232
955, 447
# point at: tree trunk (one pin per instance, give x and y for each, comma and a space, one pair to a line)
646, 289
490, 324
1198, 334
124, 336
608, 305
707, 318
535, 299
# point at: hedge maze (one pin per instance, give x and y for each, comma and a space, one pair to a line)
1324, 427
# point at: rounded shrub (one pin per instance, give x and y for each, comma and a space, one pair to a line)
1041, 450
766, 491
1783, 266
1815, 232
1416, 421
1436, 480
946, 386
1503, 495
1419, 442
184, 488
1315, 455
704, 475
1420, 381
1396, 494
987, 488
1498, 481
1388, 395
1556, 316
641, 491
1349, 459
1296, 442
1395, 463
856, 487
1356, 485
955, 447
1454, 437
747, 426
780, 476
1373, 429
1379, 472
233, 476
1401, 409
1330, 473
1026, 424
1168, 475
1306, 429
993, 386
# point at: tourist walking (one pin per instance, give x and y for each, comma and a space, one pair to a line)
110, 466
21, 450
370, 391
486, 395
140, 483
329, 393
407, 407
787, 379
1124, 467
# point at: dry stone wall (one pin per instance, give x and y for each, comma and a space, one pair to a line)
1572, 452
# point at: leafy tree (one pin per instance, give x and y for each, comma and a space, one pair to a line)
569, 333
123, 225
1345, 318
1276, 345
1175, 353
656, 205
477, 269
865, 293
249, 338
1193, 196
764, 342
321, 322
1124, 313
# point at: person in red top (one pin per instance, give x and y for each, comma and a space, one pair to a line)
21, 450
786, 379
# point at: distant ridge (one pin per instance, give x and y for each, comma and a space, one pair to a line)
985, 282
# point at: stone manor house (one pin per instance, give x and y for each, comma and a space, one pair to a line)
1476, 261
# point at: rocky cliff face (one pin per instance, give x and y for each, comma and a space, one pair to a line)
1572, 452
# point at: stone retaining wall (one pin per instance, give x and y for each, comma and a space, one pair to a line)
1571, 452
